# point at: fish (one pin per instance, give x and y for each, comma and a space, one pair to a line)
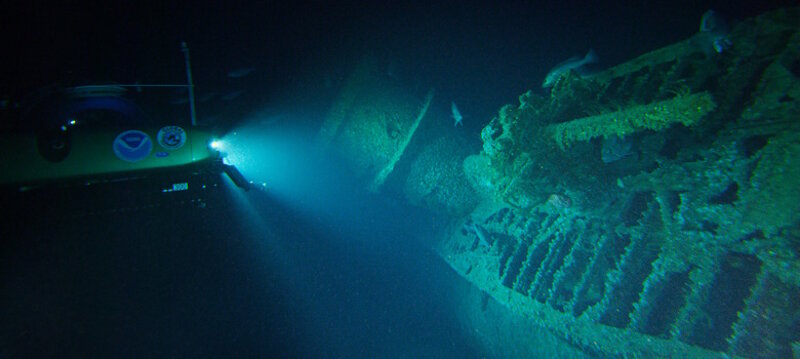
559, 201
573, 63
615, 148
457, 118
232, 95
714, 31
241, 72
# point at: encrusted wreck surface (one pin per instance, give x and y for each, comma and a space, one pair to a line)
685, 240
372, 123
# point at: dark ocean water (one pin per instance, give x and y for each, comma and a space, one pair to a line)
225, 281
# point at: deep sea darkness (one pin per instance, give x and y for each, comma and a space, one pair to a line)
222, 282
480, 55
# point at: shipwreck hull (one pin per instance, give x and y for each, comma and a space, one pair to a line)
650, 210
691, 248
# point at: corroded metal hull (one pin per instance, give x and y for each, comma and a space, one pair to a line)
691, 248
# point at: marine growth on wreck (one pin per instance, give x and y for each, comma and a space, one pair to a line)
650, 210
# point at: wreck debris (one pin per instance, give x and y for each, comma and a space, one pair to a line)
372, 123
691, 250
683, 109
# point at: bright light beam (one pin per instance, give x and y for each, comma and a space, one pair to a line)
294, 170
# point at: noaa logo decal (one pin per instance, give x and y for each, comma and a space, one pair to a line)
171, 137
132, 146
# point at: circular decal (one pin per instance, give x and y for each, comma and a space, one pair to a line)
133, 145
171, 137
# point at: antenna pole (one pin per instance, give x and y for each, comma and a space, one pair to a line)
190, 83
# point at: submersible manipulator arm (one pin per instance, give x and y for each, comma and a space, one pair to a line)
237, 177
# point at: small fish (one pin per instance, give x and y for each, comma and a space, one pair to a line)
615, 148
457, 118
206, 97
241, 72
573, 63
714, 30
559, 201
232, 95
